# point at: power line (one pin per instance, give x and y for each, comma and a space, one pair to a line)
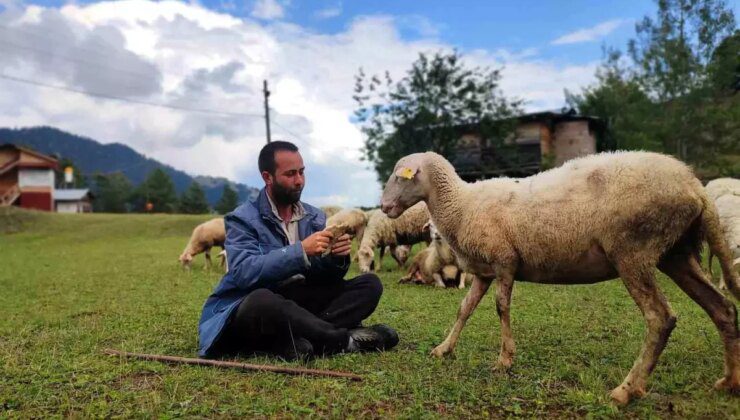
134, 101
289, 131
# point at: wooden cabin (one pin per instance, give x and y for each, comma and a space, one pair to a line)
541, 140
26, 178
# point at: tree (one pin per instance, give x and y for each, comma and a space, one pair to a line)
159, 190
193, 200
426, 108
228, 201
677, 94
619, 101
112, 193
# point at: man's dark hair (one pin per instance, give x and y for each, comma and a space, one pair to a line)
266, 161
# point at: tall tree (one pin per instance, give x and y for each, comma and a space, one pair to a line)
112, 193
677, 92
193, 200
228, 201
425, 109
158, 190
618, 100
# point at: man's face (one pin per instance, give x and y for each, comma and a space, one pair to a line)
287, 183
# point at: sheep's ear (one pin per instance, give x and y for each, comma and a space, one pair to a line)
406, 172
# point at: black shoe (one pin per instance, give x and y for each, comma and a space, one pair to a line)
390, 336
365, 339
300, 348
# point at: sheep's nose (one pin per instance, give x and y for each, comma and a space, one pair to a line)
385, 207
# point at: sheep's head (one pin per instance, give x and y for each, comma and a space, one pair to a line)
185, 259
434, 232
406, 186
366, 259
402, 253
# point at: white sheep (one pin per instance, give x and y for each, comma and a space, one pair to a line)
722, 186
205, 236
593, 219
381, 231
728, 207
330, 210
434, 264
355, 219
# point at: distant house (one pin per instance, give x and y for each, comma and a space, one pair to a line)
26, 178
542, 139
73, 201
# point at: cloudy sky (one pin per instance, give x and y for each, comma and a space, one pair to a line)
213, 55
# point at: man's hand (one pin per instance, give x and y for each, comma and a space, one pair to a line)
317, 243
342, 246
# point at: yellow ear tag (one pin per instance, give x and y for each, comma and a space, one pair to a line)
407, 173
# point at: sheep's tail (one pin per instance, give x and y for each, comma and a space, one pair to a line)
718, 245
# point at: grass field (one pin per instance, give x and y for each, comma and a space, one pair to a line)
75, 284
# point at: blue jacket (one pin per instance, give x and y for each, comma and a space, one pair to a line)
260, 256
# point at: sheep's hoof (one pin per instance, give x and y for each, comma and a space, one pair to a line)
441, 351
727, 384
461, 287
621, 395
503, 365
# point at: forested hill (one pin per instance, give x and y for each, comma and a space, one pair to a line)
91, 156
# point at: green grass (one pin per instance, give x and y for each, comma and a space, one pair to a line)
75, 284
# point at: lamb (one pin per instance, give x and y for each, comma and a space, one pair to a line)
722, 186
592, 219
434, 264
382, 231
205, 236
728, 207
355, 219
331, 210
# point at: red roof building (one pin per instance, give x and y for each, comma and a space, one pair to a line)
26, 178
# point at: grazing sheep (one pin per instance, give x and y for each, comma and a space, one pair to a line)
434, 264
205, 236
722, 186
382, 231
331, 210
593, 219
728, 208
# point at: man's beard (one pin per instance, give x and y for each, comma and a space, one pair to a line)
285, 196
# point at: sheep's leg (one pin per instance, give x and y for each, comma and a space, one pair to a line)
207, 253
504, 286
471, 300
380, 258
660, 319
438, 282
462, 280
688, 274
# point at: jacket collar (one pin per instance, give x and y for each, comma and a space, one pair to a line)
265, 209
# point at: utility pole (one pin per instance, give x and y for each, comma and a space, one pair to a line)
267, 108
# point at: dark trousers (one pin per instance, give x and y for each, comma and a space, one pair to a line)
320, 312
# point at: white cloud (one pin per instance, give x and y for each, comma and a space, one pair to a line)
590, 34
329, 12
212, 60
268, 10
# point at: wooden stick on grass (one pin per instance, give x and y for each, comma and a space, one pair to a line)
234, 365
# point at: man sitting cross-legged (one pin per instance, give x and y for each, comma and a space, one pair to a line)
280, 294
